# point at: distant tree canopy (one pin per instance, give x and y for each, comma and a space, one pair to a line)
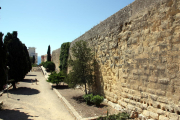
49, 53
64, 56
17, 59
2, 63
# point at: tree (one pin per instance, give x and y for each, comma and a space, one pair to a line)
49, 54
64, 56
16, 59
82, 66
33, 59
56, 78
2, 63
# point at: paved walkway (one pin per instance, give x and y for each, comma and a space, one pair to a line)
37, 102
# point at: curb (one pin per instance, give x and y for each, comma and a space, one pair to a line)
70, 107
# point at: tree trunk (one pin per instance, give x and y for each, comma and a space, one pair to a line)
85, 89
14, 85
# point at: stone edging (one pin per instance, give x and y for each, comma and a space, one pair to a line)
70, 107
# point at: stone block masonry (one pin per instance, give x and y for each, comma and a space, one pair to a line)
55, 58
137, 54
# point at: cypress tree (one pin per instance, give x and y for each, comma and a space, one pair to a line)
17, 58
2, 63
49, 54
33, 59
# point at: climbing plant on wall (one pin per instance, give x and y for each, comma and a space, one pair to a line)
64, 56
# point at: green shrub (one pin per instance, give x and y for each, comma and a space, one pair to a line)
97, 100
56, 78
88, 98
50, 66
119, 116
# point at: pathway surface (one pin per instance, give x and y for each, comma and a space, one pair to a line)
33, 102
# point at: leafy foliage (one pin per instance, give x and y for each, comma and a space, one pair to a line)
119, 116
56, 77
50, 66
64, 56
82, 66
17, 58
97, 100
88, 98
49, 54
2, 63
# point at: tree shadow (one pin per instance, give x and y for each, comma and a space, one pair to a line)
7, 114
60, 86
24, 91
28, 80
79, 99
98, 87
31, 75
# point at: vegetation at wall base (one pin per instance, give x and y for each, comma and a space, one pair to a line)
88, 98
64, 56
119, 116
56, 77
17, 58
82, 66
97, 100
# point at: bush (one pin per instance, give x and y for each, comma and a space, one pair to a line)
50, 66
97, 100
119, 116
88, 98
56, 77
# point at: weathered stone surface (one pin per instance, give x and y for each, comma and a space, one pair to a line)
163, 118
137, 52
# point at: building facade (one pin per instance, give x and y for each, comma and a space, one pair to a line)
32, 52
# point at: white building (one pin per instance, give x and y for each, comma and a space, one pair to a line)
32, 52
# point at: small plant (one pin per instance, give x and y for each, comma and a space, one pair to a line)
119, 116
97, 100
88, 98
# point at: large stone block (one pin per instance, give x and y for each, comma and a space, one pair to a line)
161, 117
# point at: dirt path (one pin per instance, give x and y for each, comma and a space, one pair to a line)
33, 102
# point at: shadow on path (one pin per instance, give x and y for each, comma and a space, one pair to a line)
28, 80
60, 86
7, 114
24, 91
31, 75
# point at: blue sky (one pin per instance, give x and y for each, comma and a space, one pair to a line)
52, 22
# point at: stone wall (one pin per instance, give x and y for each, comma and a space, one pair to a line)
55, 58
137, 53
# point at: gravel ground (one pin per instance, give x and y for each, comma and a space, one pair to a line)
33, 102
74, 97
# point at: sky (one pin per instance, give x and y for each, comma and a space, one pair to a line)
41, 23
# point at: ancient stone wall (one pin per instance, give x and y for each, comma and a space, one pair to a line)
137, 53
55, 58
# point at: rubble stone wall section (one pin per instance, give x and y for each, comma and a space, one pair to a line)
137, 53
55, 58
